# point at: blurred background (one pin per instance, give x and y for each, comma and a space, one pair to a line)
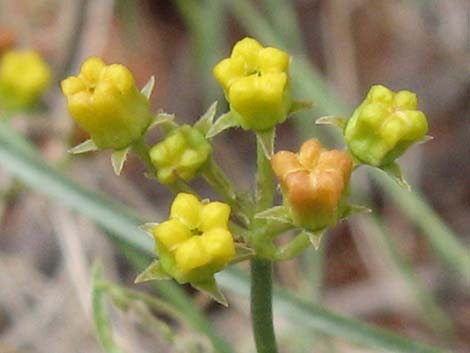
382, 269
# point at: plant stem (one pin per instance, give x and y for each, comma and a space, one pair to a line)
141, 149
223, 186
294, 247
261, 269
261, 306
264, 180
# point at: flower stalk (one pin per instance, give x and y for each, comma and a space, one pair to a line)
261, 269
262, 306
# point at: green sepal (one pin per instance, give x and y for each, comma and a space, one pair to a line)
206, 121
266, 139
425, 139
162, 118
148, 228
277, 213
148, 88
394, 171
338, 121
153, 272
224, 122
351, 209
211, 289
315, 237
298, 106
86, 146
242, 253
118, 158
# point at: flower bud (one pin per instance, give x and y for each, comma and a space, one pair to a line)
24, 76
180, 155
255, 80
313, 183
195, 242
383, 127
105, 102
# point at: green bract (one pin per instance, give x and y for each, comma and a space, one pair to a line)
384, 126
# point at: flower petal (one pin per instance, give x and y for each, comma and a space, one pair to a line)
187, 209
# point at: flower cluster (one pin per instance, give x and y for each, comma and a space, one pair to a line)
195, 242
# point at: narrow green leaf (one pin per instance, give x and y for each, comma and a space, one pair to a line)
123, 225
100, 313
86, 146
315, 317
176, 295
148, 88
153, 272
205, 19
337, 121
148, 228
431, 312
212, 290
315, 237
352, 209
162, 119
283, 19
298, 106
426, 138
206, 121
416, 208
118, 158
276, 213
242, 253
393, 170
224, 122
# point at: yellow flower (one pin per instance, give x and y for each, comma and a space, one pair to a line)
384, 126
180, 155
313, 182
256, 84
195, 242
24, 76
105, 102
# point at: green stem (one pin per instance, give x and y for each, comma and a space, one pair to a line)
223, 186
261, 269
294, 247
265, 185
141, 149
261, 306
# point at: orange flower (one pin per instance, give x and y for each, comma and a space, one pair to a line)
313, 182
